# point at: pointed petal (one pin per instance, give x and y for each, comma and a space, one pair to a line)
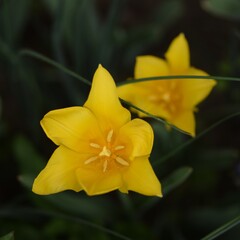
59, 174
150, 66
103, 101
128, 92
139, 135
178, 55
185, 121
72, 127
146, 66
195, 90
141, 178
98, 182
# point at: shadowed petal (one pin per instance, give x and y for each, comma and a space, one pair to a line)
103, 101
71, 127
139, 134
195, 90
59, 174
185, 121
140, 177
150, 66
95, 183
178, 55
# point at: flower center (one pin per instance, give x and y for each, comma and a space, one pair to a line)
108, 154
167, 95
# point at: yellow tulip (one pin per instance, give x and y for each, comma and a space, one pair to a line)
174, 100
100, 148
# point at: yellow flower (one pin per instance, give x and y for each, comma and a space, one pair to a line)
100, 148
173, 100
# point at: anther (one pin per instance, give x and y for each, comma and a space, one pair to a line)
91, 159
105, 165
109, 136
122, 161
120, 147
95, 145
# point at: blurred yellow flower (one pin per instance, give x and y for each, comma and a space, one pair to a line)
100, 148
173, 100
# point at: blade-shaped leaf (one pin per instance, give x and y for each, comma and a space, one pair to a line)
9, 236
175, 179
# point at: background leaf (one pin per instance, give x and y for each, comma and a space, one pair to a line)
225, 8
9, 236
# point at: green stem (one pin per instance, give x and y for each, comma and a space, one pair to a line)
222, 229
39, 56
183, 77
154, 117
182, 146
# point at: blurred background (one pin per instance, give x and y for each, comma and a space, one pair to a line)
201, 182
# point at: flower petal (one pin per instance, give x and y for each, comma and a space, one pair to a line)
150, 66
103, 101
195, 90
185, 121
95, 183
139, 135
71, 127
140, 177
178, 55
59, 174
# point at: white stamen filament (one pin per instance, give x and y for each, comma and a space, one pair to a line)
122, 161
95, 145
120, 147
91, 159
105, 165
109, 136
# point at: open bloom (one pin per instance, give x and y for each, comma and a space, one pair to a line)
174, 100
100, 148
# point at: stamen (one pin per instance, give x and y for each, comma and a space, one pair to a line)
120, 147
166, 97
122, 161
105, 152
95, 145
91, 159
109, 136
105, 165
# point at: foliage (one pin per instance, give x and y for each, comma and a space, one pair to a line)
49, 51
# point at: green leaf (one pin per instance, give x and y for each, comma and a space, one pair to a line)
9, 236
51, 4
175, 179
23, 213
188, 143
170, 183
13, 16
59, 66
225, 8
29, 160
75, 203
222, 229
